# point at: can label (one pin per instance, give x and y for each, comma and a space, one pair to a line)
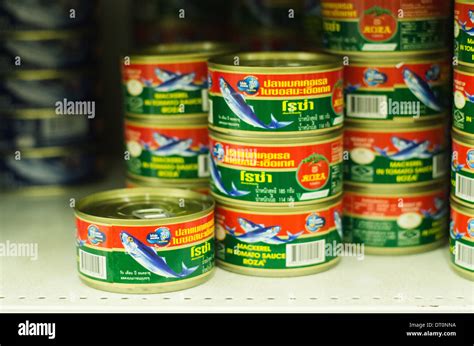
166, 89
277, 241
146, 254
462, 171
32, 133
398, 91
395, 156
282, 173
395, 221
68, 168
461, 239
385, 25
276, 102
167, 152
463, 33
463, 105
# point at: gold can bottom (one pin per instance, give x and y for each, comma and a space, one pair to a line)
466, 274
147, 288
403, 251
278, 272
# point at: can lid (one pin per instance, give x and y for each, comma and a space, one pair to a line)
175, 52
142, 206
275, 62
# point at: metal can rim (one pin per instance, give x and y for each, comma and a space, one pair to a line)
127, 193
43, 35
462, 137
203, 182
385, 55
459, 206
464, 69
169, 123
395, 190
389, 60
36, 74
302, 139
280, 210
45, 152
315, 62
179, 52
375, 126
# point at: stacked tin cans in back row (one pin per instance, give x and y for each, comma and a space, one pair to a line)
276, 161
462, 160
397, 80
166, 104
46, 53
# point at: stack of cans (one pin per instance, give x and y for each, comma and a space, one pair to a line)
397, 81
276, 161
46, 87
166, 104
462, 162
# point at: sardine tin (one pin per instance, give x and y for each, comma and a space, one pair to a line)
41, 128
396, 221
269, 92
374, 28
194, 185
397, 89
44, 170
276, 171
411, 154
464, 32
462, 169
278, 242
463, 100
461, 240
167, 148
169, 79
145, 240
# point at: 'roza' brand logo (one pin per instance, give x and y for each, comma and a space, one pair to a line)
297, 106
161, 236
94, 235
373, 77
470, 227
249, 177
337, 98
314, 222
198, 251
248, 85
313, 172
377, 24
218, 152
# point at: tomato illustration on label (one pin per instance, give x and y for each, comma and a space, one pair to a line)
338, 98
313, 172
377, 24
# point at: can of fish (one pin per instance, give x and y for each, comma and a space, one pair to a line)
42, 168
276, 171
45, 14
145, 241
463, 105
461, 240
397, 89
462, 169
464, 32
44, 89
169, 79
410, 155
41, 128
268, 92
396, 221
45, 50
386, 26
194, 185
278, 241
167, 149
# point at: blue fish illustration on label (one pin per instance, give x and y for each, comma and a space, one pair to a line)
169, 146
433, 73
421, 89
94, 235
469, 97
219, 184
440, 211
465, 28
148, 258
243, 111
407, 150
374, 77
351, 88
171, 81
454, 233
255, 233
314, 222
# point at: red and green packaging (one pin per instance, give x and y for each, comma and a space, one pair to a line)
462, 169
464, 32
463, 105
461, 240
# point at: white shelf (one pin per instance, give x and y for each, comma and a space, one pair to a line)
416, 283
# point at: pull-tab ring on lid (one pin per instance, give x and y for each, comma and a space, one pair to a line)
152, 213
